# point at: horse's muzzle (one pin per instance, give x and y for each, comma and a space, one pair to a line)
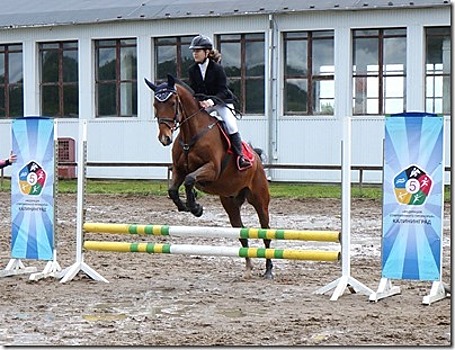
165, 140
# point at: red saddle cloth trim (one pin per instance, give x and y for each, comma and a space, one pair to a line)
248, 152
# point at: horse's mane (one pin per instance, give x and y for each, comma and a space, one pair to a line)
185, 85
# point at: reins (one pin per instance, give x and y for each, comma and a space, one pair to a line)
186, 146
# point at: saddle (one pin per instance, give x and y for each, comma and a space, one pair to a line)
248, 152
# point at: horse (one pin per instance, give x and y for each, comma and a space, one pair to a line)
201, 159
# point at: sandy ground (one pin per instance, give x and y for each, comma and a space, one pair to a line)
176, 300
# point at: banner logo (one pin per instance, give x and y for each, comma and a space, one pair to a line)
32, 178
412, 186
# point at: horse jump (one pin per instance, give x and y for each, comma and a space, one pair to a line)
338, 286
206, 231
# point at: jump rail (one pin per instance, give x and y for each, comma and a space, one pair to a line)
188, 249
207, 231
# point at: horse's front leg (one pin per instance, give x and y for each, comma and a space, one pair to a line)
195, 208
173, 191
205, 173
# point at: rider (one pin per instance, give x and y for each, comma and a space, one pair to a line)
207, 78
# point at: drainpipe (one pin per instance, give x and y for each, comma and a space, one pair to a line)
271, 99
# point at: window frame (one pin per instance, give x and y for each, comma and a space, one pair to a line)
60, 84
7, 50
434, 74
311, 78
244, 39
381, 74
180, 41
118, 81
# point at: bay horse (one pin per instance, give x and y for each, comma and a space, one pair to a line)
200, 159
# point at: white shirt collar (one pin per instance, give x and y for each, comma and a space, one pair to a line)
203, 67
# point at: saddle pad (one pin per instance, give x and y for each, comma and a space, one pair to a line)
248, 151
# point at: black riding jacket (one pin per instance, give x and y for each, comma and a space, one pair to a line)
215, 83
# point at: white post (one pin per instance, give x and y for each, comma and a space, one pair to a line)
70, 272
343, 112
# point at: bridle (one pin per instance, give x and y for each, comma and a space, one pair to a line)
175, 122
162, 96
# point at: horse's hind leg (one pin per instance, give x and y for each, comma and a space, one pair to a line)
232, 207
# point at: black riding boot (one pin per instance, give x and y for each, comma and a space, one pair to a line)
236, 142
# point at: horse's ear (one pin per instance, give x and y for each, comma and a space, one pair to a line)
150, 84
170, 81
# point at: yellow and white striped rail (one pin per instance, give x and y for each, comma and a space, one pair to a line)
190, 249
206, 231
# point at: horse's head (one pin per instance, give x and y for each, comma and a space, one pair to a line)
166, 106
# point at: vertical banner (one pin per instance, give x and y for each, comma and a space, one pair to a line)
413, 195
32, 189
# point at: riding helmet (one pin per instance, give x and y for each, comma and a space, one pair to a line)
201, 42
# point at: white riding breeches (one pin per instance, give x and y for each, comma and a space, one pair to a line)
227, 115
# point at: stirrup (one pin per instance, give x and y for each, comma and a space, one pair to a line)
242, 163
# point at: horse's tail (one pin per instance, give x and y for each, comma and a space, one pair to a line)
259, 152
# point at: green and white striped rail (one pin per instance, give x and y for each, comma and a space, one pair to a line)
189, 249
206, 231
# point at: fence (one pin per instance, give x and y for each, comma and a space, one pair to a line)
360, 168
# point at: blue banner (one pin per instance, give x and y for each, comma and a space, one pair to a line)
413, 194
32, 189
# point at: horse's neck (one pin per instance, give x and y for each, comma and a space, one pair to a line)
194, 119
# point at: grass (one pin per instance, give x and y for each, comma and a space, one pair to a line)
159, 188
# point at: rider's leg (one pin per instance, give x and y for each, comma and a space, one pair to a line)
226, 113
236, 142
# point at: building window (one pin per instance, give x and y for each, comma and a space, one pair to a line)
243, 58
59, 79
116, 78
309, 73
173, 56
438, 69
379, 71
11, 81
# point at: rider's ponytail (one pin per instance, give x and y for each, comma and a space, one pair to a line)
215, 55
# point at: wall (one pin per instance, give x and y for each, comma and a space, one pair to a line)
301, 140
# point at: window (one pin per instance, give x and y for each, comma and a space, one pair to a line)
438, 70
11, 81
173, 56
379, 71
309, 73
243, 58
59, 79
116, 78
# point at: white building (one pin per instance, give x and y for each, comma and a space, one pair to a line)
298, 67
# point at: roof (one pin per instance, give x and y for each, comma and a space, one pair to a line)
30, 13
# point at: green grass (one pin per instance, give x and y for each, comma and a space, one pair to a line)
159, 188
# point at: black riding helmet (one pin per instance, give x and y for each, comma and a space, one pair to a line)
201, 42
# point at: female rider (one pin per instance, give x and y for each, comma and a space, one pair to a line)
207, 78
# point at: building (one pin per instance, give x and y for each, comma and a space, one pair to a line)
298, 67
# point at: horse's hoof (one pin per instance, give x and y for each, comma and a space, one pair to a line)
197, 210
247, 275
183, 208
268, 275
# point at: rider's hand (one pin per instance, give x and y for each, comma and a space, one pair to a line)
207, 103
